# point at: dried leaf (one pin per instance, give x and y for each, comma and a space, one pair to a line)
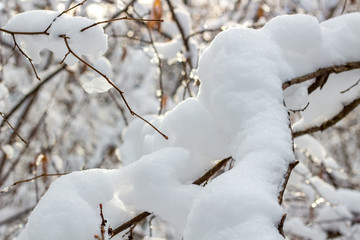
156, 13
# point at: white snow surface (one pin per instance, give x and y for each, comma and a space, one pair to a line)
238, 112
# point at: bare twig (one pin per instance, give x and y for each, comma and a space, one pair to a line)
5, 119
181, 30
135, 220
32, 92
63, 12
117, 14
344, 7
161, 88
322, 71
300, 110
119, 107
22, 33
349, 88
342, 114
286, 179
102, 225
26, 56
110, 82
212, 171
31, 179
281, 225
118, 19
16, 216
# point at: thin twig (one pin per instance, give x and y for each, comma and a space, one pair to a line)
17, 134
118, 19
344, 7
23, 33
111, 83
25, 55
322, 71
181, 30
286, 179
32, 92
300, 110
349, 88
16, 216
342, 114
119, 107
161, 88
211, 172
31, 179
63, 12
281, 225
117, 14
130, 223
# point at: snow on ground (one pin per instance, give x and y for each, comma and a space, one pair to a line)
238, 112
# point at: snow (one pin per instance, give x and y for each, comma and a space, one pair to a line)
238, 112
92, 42
330, 100
92, 82
297, 227
184, 19
169, 50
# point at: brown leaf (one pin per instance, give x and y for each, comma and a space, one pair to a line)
156, 13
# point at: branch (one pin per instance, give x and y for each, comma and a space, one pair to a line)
30, 179
118, 19
342, 114
26, 56
182, 33
287, 176
5, 119
349, 88
199, 181
65, 11
70, 51
281, 225
323, 71
32, 92
161, 88
211, 172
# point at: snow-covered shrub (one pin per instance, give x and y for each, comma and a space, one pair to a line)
223, 170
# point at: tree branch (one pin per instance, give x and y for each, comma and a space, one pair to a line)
16, 132
181, 30
32, 92
323, 71
118, 19
286, 180
342, 114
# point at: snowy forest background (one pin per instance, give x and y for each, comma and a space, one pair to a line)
61, 118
